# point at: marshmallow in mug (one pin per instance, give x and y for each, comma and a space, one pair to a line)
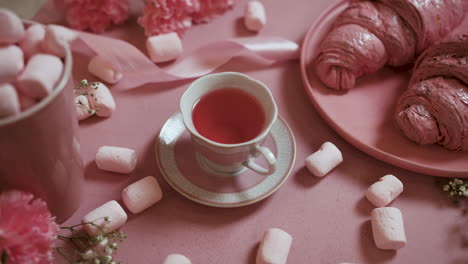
164, 47
101, 69
9, 102
25, 101
274, 247
100, 99
324, 160
32, 42
384, 191
254, 16
106, 218
11, 62
177, 259
142, 194
388, 228
40, 75
116, 159
11, 27
57, 38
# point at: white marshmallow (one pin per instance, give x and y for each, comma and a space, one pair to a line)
11, 63
40, 75
83, 109
384, 191
9, 102
115, 159
142, 194
32, 41
274, 247
177, 259
116, 218
11, 27
165, 47
388, 228
254, 16
101, 99
324, 160
101, 69
57, 38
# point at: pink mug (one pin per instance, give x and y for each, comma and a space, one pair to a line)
40, 151
230, 159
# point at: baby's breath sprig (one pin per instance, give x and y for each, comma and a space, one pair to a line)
87, 89
98, 249
456, 188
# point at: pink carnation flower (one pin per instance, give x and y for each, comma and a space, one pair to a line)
96, 15
165, 16
211, 8
27, 229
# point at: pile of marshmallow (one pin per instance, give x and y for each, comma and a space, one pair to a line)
387, 222
31, 62
168, 47
140, 195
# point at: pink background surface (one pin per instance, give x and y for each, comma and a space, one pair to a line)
327, 217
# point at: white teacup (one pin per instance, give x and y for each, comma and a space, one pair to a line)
230, 159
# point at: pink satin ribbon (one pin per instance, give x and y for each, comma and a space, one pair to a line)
138, 70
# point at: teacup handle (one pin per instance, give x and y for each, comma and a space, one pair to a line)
269, 157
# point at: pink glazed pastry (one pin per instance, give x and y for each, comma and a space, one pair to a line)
9, 102
11, 29
274, 248
37, 81
116, 159
101, 69
384, 191
32, 42
106, 218
142, 194
11, 63
434, 108
177, 259
388, 228
370, 34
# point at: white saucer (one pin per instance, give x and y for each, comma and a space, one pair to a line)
177, 161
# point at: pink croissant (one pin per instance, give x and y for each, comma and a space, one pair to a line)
434, 109
370, 34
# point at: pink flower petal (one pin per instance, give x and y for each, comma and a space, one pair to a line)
27, 229
96, 15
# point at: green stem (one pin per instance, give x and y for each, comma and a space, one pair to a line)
4, 258
66, 256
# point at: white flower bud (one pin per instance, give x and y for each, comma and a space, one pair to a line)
88, 254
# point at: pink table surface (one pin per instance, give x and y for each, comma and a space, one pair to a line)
328, 217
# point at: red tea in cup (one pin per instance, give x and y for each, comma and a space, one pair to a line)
228, 116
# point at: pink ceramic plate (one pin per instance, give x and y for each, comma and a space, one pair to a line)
364, 115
